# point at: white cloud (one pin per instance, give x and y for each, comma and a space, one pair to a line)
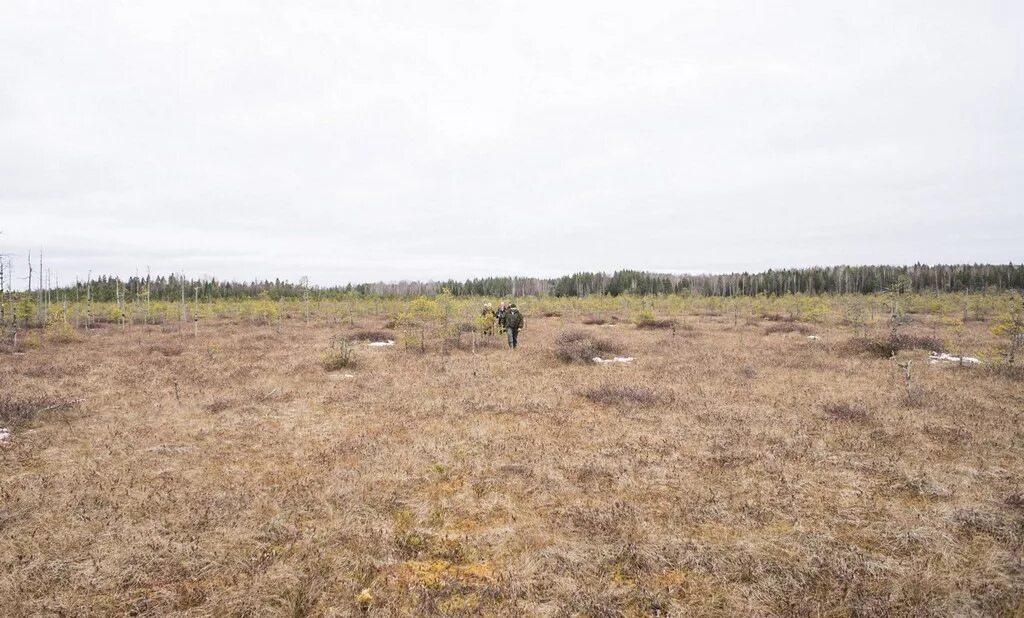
366, 140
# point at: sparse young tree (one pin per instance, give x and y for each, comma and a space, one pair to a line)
1011, 326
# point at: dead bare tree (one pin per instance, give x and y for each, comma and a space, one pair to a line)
304, 282
3, 293
184, 309
119, 291
42, 310
88, 302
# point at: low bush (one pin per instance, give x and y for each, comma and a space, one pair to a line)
651, 322
341, 354
373, 335
577, 346
1005, 370
16, 412
887, 346
594, 320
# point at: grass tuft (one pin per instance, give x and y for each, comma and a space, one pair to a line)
624, 395
788, 327
651, 322
340, 355
886, 346
372, 335
847, 411
17, 412
577, 346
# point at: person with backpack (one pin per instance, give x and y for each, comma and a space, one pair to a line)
499, 315
513, 322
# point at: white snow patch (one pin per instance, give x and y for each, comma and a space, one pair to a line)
945, 357
381, 344
340, 376
4, 433
617, 359
813, 337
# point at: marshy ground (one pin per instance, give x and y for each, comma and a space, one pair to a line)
736, 467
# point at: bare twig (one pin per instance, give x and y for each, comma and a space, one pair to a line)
62, 404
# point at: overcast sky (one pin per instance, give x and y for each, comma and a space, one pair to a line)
353, 141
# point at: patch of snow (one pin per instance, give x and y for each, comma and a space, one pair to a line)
4, 433
813, 337
945, 357
339, 376
381, 344
617, 359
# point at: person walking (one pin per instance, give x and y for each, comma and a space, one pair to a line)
514, 321
499, 315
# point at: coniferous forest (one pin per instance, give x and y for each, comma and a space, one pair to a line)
816, 280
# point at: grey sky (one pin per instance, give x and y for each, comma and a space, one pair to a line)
353, 141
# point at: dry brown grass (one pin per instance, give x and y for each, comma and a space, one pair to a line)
884, 346
788, 327
372, 334
652, 323
847, 411
232, 475
629, 395
582, 346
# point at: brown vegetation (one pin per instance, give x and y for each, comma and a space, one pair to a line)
624, 395
728, 474
651, 322
372, 334
887, 346
789, 327
579, 346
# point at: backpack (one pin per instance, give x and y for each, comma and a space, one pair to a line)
513, 319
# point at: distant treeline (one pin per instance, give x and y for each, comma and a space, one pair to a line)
818, 280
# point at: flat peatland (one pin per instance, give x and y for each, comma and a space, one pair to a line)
730, 469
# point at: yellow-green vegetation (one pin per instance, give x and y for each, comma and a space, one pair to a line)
339, 355
760, 457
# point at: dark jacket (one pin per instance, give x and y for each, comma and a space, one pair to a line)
513, 318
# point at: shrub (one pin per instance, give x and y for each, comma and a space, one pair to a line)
16, 411
372, 335
57, 330
649, 321
576, 346
646, 319
341, 354
885, 347
594, 320
1004, 370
